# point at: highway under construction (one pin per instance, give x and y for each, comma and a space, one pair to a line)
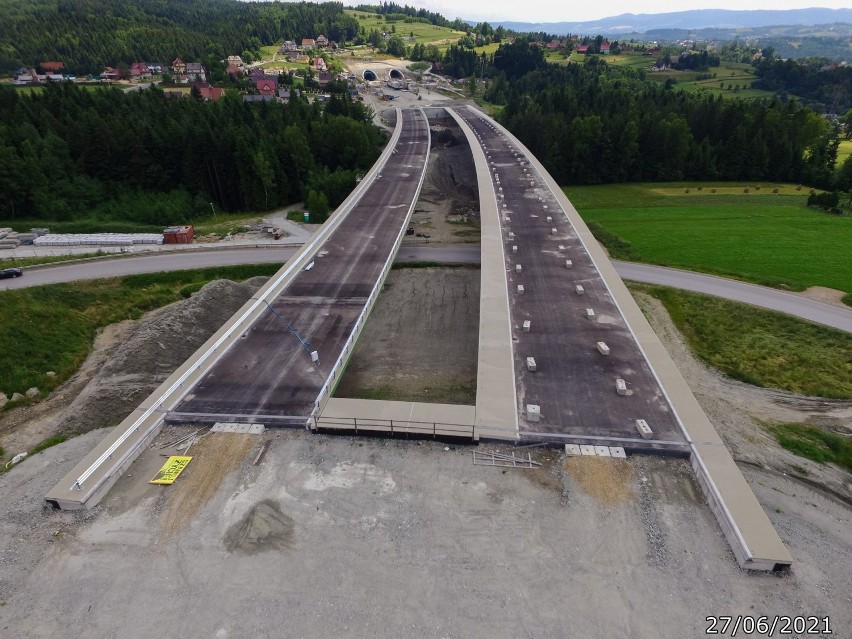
565, 355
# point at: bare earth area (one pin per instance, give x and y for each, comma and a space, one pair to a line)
333, 536
422, 339
828, 295
448, 207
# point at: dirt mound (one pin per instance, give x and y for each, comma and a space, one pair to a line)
451, 176
264, 527
158, 344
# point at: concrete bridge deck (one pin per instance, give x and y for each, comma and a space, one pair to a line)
751, 536
254, 365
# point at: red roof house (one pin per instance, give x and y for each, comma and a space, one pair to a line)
267, 86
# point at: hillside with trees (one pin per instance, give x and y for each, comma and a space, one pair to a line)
87, 35
67, 153
596, 123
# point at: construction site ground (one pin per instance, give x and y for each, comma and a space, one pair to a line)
338, 536
328, 534
448, 207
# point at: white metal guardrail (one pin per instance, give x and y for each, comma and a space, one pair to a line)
327, 388
270, 292
397, 426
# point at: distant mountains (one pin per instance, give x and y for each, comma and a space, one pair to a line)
687, 20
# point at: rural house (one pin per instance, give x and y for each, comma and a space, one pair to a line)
195, 72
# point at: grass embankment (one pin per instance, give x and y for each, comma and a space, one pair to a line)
6, 262
461, 392
763, 237
51, 328
814, 443
761, 347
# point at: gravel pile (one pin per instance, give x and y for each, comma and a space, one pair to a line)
159, 344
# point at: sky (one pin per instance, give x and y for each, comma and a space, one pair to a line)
576, 11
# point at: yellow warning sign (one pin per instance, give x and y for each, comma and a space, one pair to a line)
171, 469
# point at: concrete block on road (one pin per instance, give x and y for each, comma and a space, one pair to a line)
603, 349
533, 413
527, 325
643, 428
580, 290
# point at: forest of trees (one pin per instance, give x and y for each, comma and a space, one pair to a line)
87, 35
143, 157
826, 87
598, 123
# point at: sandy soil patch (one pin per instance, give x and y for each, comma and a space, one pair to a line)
214, 457
607, 480
823, 294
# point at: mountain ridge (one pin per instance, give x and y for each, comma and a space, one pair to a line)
692, 19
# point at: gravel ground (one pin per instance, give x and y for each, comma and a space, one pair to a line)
352, 537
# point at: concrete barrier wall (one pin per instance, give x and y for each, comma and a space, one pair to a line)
496, 395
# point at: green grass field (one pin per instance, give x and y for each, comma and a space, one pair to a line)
763, 237
488, 49
843, 151
51, 328
814, 443
423, 33
727, 74
761, 347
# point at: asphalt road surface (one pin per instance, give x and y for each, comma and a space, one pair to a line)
773, 299
571, 381
770, 298
268, 375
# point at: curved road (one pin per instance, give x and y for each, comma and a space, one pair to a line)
819, 312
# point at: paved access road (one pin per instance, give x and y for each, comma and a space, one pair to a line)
773, 299
770, 298
181, 260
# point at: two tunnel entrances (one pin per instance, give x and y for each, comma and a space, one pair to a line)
394, 74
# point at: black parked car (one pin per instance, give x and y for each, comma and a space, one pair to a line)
10, 272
